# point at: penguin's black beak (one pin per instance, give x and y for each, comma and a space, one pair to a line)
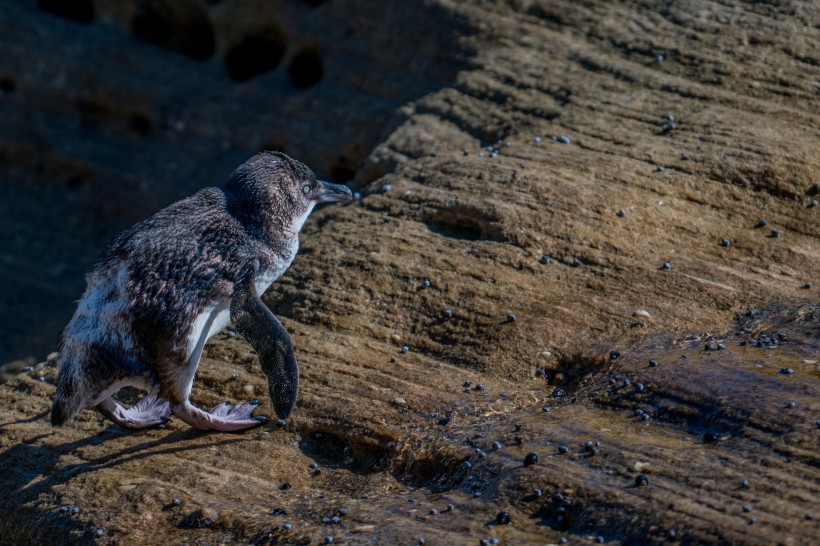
334, 192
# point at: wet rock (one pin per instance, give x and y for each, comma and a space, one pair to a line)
503, 518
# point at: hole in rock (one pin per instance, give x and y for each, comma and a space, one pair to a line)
140, 124
342, 174
457, 228
181, 25
434, 465
7, 85
362, 455
255, 54
465, 223
74, 182
305, 68
575, 372
81, 11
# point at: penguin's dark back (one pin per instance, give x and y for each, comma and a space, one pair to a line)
179, 261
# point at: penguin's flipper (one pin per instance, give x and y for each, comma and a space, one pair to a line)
271, 341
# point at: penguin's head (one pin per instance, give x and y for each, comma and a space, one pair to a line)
278, 191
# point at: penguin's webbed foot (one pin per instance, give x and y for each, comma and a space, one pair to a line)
224, 417
148, 412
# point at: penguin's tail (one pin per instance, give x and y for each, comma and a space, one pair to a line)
66, 400
59, 413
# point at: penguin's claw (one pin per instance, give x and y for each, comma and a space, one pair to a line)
148, 412
222, 417
232, 412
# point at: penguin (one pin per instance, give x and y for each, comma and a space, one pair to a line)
165, 286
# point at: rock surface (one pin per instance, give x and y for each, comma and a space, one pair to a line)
696, 119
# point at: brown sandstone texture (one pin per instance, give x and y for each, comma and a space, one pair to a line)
562, 174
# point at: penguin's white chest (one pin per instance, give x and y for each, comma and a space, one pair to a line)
217, 316
265, 278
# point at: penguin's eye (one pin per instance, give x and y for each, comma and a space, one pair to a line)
306, 189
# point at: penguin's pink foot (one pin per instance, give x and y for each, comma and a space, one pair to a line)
148, 412
224, 417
